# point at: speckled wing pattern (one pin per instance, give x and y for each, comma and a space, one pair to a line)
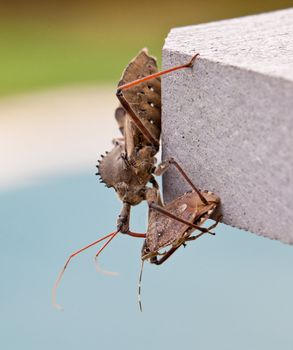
166, 231
144, 98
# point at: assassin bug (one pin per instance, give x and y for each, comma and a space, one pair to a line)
171, 225
130, 165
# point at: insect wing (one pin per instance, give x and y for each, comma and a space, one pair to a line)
145, 98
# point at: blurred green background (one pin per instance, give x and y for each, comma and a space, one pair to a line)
59, 42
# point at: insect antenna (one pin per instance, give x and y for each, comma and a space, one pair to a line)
139, 286
103, 271
111, 273
98, 268
58, 280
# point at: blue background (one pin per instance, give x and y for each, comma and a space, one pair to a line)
231, 291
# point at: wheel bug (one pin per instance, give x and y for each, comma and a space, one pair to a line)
130, 165
168, 225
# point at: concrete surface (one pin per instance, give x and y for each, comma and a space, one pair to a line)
229, 121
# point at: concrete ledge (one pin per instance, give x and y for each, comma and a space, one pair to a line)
229, 122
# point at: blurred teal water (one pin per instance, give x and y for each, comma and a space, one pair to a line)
232, 291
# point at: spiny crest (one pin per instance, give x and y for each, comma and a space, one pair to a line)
110, 166
101, 172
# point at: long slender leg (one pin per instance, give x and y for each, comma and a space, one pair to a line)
111, 273
192, 238
148, 135
135, 234
170, 215
173, 250
105, 245
98, 268
155, 75
219, 218
164, 167
56, 284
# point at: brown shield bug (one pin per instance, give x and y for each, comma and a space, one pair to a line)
172, 225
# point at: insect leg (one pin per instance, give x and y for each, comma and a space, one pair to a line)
135, 234
193, 238
219, 218
164, 167
209, 228
155, 75
167, 213
123, 218
173, 249
147, 134
98, 268
56, 284
111, 273
166, 255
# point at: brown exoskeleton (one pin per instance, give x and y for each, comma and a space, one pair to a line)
172, 225
168, 225
129, 166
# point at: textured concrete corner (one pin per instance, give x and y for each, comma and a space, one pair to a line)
229, 119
